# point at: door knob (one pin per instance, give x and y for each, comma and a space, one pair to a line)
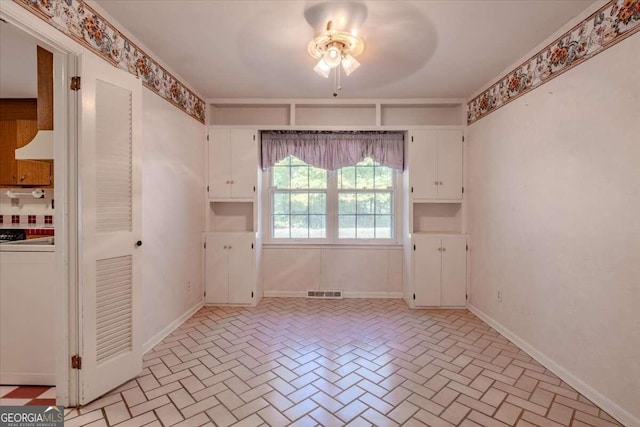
139, 243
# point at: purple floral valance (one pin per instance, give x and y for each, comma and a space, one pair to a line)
332, 150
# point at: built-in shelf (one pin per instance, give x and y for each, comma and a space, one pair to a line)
347, 113
437, 218
231, 217
335, 115
420, 115
250, 114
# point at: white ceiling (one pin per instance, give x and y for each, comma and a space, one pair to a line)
414, 49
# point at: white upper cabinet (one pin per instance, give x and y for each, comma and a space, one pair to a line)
435, 164
233, 163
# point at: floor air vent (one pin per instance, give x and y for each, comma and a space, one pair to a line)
330, 294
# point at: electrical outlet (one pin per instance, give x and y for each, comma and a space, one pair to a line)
499, 296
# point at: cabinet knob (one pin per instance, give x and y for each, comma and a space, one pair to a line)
229, 247
139, 243
444, 249
231, 182
225, 247
436, 183
228, 182
23, 177
441, 183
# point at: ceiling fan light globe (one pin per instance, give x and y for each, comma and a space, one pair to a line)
349, 64
333, 57
322, 68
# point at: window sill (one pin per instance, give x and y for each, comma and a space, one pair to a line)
367, 246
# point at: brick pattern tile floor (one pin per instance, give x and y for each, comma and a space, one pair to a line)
352, 362
27, 395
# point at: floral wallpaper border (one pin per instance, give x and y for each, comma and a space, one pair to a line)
83, 24
612, 23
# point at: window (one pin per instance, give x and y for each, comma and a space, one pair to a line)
299, 200
354, 203
365, 201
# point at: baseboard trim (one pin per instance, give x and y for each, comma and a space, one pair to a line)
28, 378
583, 388
346, 294
157, 338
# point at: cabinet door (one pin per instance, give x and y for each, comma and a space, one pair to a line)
244, 163
426, 270
454, 271
450, 164
241, 269
7, 152
423, 164
219, 164
30, 172
217, 269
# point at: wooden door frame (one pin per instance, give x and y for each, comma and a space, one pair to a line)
65, 192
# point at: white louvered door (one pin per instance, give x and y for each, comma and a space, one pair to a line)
109, 176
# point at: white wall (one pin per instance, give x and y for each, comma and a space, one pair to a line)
554, 203
173, 161
359, 272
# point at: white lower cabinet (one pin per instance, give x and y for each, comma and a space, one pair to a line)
439, 266
230, 268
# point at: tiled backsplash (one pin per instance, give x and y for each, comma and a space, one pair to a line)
26, 219
26, 211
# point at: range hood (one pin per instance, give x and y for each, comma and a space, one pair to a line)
41, 146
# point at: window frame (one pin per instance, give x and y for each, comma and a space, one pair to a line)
332, 193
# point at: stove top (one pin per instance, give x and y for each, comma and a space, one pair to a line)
12, 234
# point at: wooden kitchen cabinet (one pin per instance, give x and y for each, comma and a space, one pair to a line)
439, 270
14, 173
230, 268
435, 164
233, 164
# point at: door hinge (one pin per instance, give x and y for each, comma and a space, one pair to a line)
412, 139
75, 83
466, 296
462, 190
414, 296
207, 137
251, 294
252, 246
463, 139
412, 189
414, 247
205, 245
207, 188
76, 362
254, 188
254, 137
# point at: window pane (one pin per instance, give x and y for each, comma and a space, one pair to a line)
383, 203
280, 203
347, 226
281, 226
281, 176
364, 177
299, 226
284, 162
318, 226
296, 161
347, 178
317, 203
317, 178
383, 227
365, 229
300, 177
299, 203
365, 203
384, 177
346, 203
